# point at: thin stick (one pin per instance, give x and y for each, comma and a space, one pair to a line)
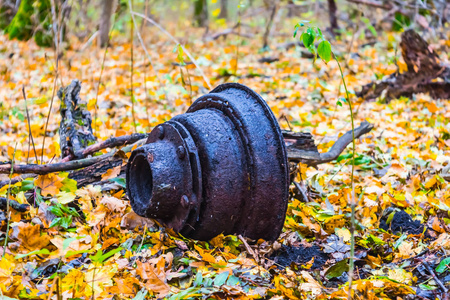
147, 98
131, 70
8, 212
101, 73
14, 204
249, 249
352, 204
55, 31
29, 126
430, 270
109, 143
163, 87
176, 42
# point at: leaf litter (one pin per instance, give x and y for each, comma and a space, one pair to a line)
98, 248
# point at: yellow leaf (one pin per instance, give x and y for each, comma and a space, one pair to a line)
111, 173
216, 12
6, 269
49, 184
343, 233
65, 197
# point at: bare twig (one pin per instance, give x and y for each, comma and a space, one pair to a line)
249, 249
8, 201
175, 41
314, 159
147, 53
109, 143
55, 31
430, 270
131, 75
29, 125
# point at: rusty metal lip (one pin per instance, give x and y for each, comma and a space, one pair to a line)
218, 99
196, 171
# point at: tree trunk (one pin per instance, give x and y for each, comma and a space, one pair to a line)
105, 21
272, 5
332, 14
223, 9
201, 13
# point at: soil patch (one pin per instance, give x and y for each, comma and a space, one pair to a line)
300, 256
402, 222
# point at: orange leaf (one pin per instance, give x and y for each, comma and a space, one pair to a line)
49, 184
30, 237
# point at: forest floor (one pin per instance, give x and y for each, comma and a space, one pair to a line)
100, 248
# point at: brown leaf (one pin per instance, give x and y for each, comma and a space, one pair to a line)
131, 221
29, 237
49, 184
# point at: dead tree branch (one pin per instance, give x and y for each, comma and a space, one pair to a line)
14, 204
109, 143
64, 166
306, 153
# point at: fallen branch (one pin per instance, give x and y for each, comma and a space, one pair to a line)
109, 143
64, 166
14, 204
430, 270
75, 128
16, 179
310, 156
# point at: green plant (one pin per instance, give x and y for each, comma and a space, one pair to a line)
64, 215
308, 36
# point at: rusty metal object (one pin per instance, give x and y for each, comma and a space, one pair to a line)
219, 168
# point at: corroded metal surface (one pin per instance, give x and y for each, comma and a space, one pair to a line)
219, 168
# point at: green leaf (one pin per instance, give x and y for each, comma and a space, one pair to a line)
308, 37
27, 184
369, 26
56, 211
55, 222
41, 251
198, 279
337, 270
221, 278
141, 294
100, 258
233, 280
69, 185
120, 181
324, 50
443, 265
66, 222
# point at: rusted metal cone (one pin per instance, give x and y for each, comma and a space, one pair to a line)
221, 167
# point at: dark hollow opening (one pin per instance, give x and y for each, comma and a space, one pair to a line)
141, 178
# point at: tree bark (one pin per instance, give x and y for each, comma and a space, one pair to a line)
105, 21
332, 9
223, 9
273, 4
201, 13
